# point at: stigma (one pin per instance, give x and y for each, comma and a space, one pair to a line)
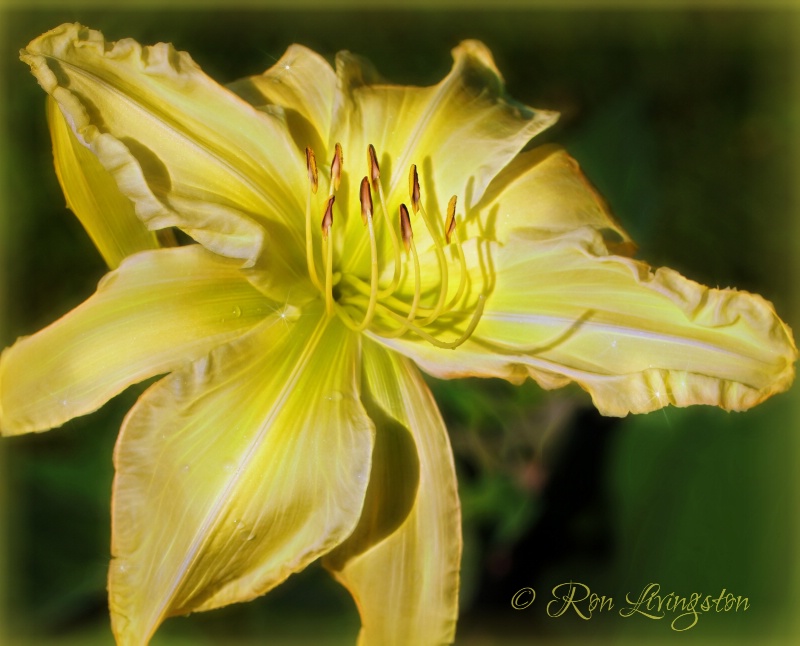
381, 301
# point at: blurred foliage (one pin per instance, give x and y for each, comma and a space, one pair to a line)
683, 121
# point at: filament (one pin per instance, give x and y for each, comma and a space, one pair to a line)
328, 248
373, 284
448, 345
411, 248
462, 280
443, 277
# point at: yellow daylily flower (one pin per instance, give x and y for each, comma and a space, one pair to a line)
293, 423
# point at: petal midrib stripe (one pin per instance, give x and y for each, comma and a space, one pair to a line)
201, 146
213, 517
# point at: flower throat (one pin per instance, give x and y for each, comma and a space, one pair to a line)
387, 312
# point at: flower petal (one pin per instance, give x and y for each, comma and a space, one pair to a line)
186, 151
158, 310
303, 84
237, 471
406, 587
460, 133
564, 310
544, 189
92, 194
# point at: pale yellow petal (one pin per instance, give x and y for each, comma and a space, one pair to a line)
92, 194
186, 151
158, 310
406, 587
237, 471
303, 84
460, 133
393, 483
544, 189
561, 309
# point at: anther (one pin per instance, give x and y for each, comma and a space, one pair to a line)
374, 169
336, 167
450, 222
413, 188
327, 218
405, 227
366, 201
311, 165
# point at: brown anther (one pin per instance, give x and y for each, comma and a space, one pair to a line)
336, 167
366, 201
405, 227
413, 188
450, 222
327, 219
311, 165
374, 169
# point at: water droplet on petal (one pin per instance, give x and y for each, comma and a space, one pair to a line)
335, 396
237, 312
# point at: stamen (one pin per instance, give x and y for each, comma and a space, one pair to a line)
311, 165
327, 222
373, 281
366, 213
336, 167
413, 189
449, 231
408, 241
375, 175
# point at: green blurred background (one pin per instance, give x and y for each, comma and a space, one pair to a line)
687, 122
